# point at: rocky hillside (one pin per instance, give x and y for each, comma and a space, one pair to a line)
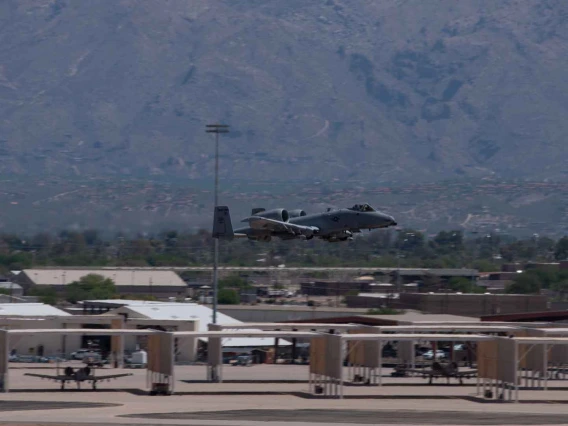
367, 91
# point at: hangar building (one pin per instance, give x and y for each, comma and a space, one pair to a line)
158, 312
130, 314
161, 284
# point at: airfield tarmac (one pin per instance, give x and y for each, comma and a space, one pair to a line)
273, 395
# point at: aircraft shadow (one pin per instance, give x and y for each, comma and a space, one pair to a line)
243, 381
470, 398
71, 390
408, 384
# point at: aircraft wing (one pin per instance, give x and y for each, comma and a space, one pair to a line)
438, 373
423, 372
109, 376
81, 379
46, 376
469, 373
258, 222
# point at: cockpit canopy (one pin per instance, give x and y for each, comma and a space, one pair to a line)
362, 208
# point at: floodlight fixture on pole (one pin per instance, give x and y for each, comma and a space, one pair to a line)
217, 129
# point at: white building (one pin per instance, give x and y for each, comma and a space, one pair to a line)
168, 314
160, 312
32, 315
41, 316
129, 314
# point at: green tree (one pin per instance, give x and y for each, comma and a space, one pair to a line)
227, 296
562, 288
464, 285
525, 283
447, 242
234, 281
92, 286
561, 249
483, 265
546, 276
459, 284
46, 295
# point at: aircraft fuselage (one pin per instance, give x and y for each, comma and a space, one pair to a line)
333, 225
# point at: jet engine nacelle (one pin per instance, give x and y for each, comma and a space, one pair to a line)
296, 213
276, 214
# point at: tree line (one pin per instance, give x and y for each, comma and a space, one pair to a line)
389, 248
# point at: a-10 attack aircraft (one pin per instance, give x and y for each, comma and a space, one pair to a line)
332, 225
85, 374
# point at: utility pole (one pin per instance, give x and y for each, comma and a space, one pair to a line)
398, 289
474, 257
217, 129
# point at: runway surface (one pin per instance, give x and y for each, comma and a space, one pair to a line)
50, 405
368, 417
269, 395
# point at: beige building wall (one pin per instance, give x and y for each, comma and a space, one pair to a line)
31, 344
185, 348
55, 345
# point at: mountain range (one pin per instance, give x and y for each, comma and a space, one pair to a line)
363, 93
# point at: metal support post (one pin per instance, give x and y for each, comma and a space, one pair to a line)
545, 366
380, 363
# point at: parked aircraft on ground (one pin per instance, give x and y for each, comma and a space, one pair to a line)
444, 370
85, 374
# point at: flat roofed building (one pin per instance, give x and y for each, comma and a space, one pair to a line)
406, 318
411, 275
30, 310
11, 288
170, 316
189, 311
473, 304
32, 315
161, 284
334, 288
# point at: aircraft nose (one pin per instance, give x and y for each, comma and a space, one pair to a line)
390, 220
387, 220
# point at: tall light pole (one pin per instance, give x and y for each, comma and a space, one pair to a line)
398, 288
217, 129
398, 256
474, 257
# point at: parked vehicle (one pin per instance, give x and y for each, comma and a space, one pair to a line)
244, 360
440, 354
28, 358
82, 353
95, 360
